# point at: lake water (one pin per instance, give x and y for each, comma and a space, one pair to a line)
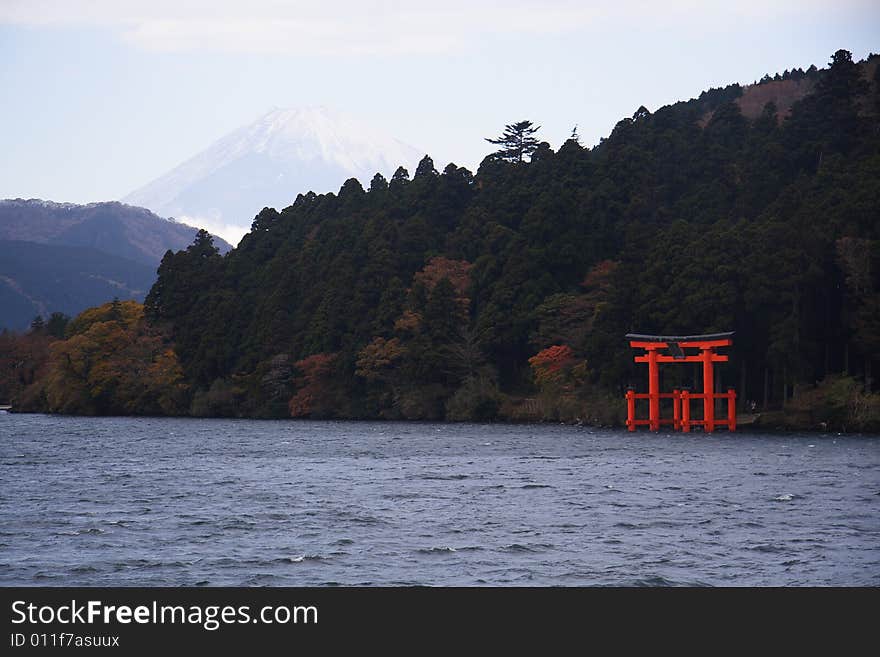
128, 501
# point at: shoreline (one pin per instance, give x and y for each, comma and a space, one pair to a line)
752, 426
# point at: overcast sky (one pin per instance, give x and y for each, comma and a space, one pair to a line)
101, 96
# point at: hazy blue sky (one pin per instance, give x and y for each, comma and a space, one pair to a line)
101, 96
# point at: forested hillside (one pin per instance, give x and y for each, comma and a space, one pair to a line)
508, 293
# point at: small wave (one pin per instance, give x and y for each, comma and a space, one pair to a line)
527, 486
237, 524
402, 496
260, 579
665, 524
750, 523
364, 520
435, 550
300, 558
344, 541
532, 547
767, 547
94, 531
658, 580
439, 477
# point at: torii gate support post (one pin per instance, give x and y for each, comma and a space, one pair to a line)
676, 409
708, 390
653, 390
631, 409
686, 411
731, 409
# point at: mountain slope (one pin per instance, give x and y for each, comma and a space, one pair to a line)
112, 227
65, 257
269, 162
39, 279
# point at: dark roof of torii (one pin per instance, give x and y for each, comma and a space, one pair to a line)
678, 338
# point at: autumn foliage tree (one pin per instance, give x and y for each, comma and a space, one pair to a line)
457, 272
113, 363
413, 372
23, 364
556, 368
315, 393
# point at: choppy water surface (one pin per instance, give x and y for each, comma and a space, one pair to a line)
122, 501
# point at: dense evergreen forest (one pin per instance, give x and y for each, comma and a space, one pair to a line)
506, 294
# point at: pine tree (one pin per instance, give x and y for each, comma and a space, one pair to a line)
517, 141
426, 168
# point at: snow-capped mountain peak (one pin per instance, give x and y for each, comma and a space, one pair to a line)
267, 163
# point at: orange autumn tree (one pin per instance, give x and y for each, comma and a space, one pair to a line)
599, 277
112, 362
457, 272
315, 394
557, 370
376, 359
439, 267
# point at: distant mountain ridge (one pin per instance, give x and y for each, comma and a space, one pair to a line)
64, 257
268, 163
112, 227
39, 279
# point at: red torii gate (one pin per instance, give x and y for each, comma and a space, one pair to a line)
681, 399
